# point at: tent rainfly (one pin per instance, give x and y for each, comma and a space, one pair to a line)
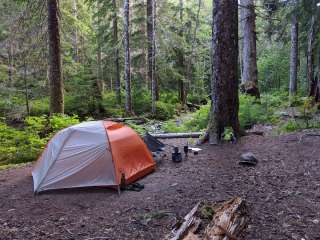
97, 153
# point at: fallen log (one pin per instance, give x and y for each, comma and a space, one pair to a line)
137, 120
228, 221
177, 135
193, 106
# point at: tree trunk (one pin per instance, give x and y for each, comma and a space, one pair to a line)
151, 11
127, 64
316, 92
315, 84
225, 97
149, 36
194, 38
313, 81
100, 82
181, 60
75, 31
310, 55
26, 86
294, 56
249, 78
116, 52
156, 79
55, 67
10, 64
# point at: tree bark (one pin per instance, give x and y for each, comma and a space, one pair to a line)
26, 91
181, 60
310, 55
225, 96
249, 79
194, 38
75, 31
315, 85
294, 55
55, 67
116, 52
99, 82
313, 81
10, 64
151, 34
127, 64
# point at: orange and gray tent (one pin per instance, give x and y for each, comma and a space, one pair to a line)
97, 153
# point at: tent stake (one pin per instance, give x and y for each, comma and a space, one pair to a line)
119, 191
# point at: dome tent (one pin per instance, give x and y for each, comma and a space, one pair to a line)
96, 153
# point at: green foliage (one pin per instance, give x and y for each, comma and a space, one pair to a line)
141, 101
78, 104
197, 121
273, 65
164, 111
3, 73
110, 105
58, 122
307, 120
293, 125
18, 146
251, 112
24, 145
39, 106
169, 97
138, 128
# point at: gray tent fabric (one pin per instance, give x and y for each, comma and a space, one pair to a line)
78, 156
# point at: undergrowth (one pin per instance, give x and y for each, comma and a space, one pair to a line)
24, 145
251, 111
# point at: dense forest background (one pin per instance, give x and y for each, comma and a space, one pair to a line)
148, 58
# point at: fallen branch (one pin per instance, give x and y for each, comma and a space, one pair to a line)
189, 221
193, 106
309, 135
177, 135
259, 133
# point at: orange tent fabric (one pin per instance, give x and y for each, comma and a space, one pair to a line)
130, 154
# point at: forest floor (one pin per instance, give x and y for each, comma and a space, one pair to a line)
282, 193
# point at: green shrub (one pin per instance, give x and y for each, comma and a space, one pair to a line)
172, 127
24, 145
81, 105
169, 97
39, 106
196, 121
164, 111
58, 122
141, 101
110, 105
138, 128
18, 146
251, 112
289, 126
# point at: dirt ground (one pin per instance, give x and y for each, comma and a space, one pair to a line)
282, 194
